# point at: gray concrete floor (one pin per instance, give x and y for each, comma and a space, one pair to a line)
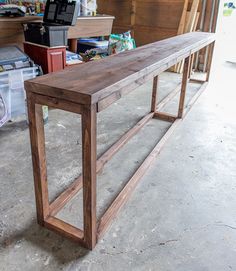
182, 216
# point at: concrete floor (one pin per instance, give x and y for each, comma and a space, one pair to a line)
182, 216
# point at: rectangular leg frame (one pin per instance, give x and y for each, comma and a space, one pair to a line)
93, 229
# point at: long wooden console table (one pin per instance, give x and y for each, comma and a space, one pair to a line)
87, 90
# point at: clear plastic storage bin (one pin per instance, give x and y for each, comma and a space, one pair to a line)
5, 104
12, 90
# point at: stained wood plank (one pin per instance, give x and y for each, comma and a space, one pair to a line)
142, 33
154, 94
66, 196
195, 98
164, 116
125, 194
89, 157
58, 103
121, 10
193, 80
77, 184
183, 87
65, 229
123, 140
209, 60
180, 65
169, 97
86, 85
156, 13
37, 138
91, 26
112, 211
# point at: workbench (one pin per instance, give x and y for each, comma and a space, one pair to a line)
11, 30
87, 90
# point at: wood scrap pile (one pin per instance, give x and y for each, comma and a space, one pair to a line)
188, 23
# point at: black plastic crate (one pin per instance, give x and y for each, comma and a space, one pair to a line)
44, 34
58, 16
61, 12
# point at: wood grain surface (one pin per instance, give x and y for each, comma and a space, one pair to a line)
91, 83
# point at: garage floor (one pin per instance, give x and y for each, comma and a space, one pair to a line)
182, 216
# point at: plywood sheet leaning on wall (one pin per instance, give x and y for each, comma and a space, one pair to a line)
191, 21
149, 20
153, 20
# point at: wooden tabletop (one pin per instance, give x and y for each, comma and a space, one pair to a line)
28, 18
92, 82
20, 19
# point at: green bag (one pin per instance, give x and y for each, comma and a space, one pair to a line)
120, 42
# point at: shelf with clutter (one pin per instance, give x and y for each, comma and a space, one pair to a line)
37, 7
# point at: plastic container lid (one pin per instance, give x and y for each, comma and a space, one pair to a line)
11, 54
101, 43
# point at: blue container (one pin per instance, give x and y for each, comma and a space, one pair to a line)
91, 43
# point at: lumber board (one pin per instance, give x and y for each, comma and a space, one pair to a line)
112, 211
89, 158
152, 20
169, 97
77, 184
156, 13
164, 116
126, 192
181, 26
37, 138
195, 98
86, 85
184, 87
58, 103
183, 18
61, 227
193, 80
91, 26
179, 66
154, 94
57, 204
121, 10
149, 33
192, 17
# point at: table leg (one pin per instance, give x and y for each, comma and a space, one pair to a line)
89, 123
209, 60
37, 138
73, 45
191, 65
156, 110
154, 93
183, 87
